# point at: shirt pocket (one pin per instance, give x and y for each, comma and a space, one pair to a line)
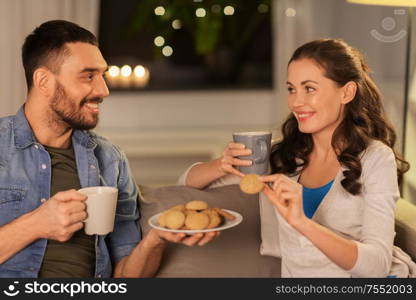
10, 203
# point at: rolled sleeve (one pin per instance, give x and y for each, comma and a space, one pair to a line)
380, 191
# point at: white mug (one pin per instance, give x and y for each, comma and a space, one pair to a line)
101, 209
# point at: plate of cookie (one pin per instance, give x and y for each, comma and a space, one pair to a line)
195, 217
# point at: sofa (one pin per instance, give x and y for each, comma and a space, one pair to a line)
235, 253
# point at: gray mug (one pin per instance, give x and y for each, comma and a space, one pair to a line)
260, 143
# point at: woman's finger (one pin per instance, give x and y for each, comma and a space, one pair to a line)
241, 162
239, 152
170, 236
270, 178
234, 171
209, 236
193, 239
271, 195
232, 145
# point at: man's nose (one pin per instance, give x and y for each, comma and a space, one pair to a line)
100, 88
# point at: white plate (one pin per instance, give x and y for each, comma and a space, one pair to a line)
153, 221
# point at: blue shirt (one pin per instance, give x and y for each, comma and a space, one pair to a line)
25, 177
313, 197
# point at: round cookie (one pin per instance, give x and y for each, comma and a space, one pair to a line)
251, 184
180, 207
174, 219
225, 214
188, 212
197, 221
215, 221
196, 205
161, 219
210, 211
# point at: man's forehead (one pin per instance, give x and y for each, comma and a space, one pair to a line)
84, 56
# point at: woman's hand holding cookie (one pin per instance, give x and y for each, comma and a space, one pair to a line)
229, 160
286, 196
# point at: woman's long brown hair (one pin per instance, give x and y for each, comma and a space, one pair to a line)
364, 117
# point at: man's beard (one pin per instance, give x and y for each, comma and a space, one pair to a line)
66, 110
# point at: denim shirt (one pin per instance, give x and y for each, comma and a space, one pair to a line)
25, 178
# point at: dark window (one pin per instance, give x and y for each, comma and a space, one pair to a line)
229, 46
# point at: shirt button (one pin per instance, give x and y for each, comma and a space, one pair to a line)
43, 166
92, 167
36, 146
99, 275
43, 200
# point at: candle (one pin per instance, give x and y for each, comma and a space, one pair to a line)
125, 78
113, 76
140, 76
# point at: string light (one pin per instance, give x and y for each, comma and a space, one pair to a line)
159, 41
167, 51
216, 8
290, 12
176, 24
160, 11
229, 10
262, 8
200, 12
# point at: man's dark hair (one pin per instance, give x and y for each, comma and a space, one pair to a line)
45, 46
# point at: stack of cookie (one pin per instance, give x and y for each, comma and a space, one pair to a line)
194, 215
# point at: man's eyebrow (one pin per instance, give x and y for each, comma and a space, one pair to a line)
91, 70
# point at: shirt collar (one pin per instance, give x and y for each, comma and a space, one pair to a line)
23, 134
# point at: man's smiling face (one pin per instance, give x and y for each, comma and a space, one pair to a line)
80, 87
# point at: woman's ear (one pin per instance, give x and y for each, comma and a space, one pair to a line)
349, 89
43, 81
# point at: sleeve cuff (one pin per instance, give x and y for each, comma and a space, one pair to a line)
182, 178
122, 251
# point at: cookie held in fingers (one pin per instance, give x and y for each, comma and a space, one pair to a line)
251, 184
197, 221
196, 205
174, 219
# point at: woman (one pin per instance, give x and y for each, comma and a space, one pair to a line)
329, 209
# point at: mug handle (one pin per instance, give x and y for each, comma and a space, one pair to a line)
262, 144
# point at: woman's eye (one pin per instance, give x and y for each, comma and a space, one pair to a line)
309, 89
291, 90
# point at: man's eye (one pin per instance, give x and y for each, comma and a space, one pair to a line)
291, 90
89, 77
310, 89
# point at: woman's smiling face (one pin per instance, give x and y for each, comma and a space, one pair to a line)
316, 101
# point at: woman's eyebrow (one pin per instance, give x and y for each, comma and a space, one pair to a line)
303, 82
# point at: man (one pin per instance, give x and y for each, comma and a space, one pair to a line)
47, 153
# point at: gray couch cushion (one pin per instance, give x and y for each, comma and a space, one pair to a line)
406, 227
235, 253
